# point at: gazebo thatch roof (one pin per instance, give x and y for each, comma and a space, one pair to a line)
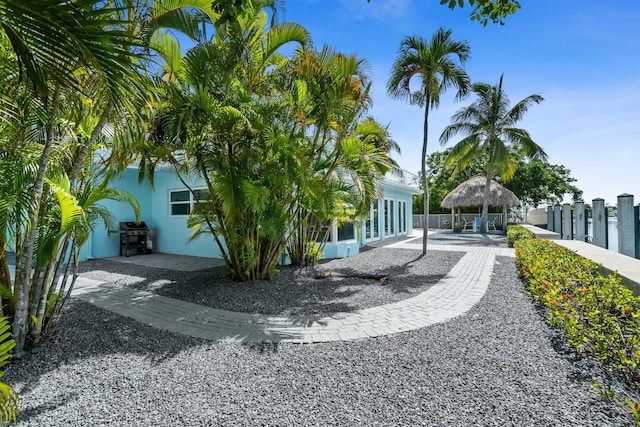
471, 193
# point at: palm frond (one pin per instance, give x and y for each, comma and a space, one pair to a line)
8, 396
71, 213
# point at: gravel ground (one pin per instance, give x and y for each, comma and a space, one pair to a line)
499, 364
294, 290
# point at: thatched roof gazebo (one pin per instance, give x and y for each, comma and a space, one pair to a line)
471, 193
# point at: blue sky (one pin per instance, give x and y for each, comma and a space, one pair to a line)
582, 56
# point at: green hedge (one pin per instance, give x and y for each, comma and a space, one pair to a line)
600, 316
517, 232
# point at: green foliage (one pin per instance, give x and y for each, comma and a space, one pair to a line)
313, 254
517, 232
600, 317
72, 84
8, 396
281, 142
536, 182
487, 10
443, 178
488, 131
634, 409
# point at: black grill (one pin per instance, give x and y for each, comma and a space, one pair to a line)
133, 237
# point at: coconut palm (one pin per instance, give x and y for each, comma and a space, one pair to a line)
488, 128
437, 66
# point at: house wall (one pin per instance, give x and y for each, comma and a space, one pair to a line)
173, 235
396, 193
172, 232
104, 244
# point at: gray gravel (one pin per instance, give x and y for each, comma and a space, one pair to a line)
496, 365
294, 290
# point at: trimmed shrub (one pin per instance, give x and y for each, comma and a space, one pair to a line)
600, 316
517, 232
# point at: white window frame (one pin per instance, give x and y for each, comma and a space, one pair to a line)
192, 202
389, 207
372, 223
402, 217
334, 232
355, 233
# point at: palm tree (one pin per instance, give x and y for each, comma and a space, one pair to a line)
53, 42
434, 64
80, 64
488, 124
236, 135
347, 154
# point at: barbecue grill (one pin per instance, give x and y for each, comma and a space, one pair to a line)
133, 236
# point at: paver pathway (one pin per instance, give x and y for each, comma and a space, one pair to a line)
452, 296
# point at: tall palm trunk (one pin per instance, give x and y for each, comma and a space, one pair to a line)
86, 149
425, 187
23, 269
485, 201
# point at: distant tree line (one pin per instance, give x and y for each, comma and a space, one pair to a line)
534, 182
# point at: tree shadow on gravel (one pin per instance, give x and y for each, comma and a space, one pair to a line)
294, 290
35, 411
470, 239
83, 341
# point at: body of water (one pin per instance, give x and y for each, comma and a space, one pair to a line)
613, 232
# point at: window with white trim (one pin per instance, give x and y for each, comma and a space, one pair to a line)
389, 218
402, 204
181, 202
346, 231
345, 227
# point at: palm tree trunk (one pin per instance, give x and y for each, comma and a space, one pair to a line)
424, 177
5, 280
23, 270
50, 282
86, 148
485, 202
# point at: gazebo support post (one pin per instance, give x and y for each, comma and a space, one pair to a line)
504, 219
453, 218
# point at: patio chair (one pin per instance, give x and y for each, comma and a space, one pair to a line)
468, 224
491, 223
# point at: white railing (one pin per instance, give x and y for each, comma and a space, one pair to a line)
444, 220
407, 178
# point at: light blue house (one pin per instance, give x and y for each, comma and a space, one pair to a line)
165, 209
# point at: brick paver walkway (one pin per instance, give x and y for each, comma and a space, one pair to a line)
452, 296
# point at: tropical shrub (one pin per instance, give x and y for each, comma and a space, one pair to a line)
8, 396
600, 317
74, 85
517, 232
313, 254
281, 142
